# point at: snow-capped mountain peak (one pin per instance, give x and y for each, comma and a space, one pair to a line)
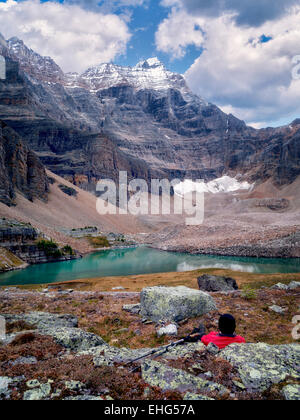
37, 66
147, 74
150, 63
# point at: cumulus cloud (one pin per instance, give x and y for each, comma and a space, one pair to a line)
74, 37
177, 32
246, 12
246, 70
107, 5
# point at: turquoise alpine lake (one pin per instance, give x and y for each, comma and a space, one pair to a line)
141, 260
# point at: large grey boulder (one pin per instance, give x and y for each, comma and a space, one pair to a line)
217, 284
74, 339
261, 365
174, 303
168, 378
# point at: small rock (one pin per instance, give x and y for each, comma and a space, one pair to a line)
122, 330
74, 385
133, 309
294, 285
208, 374
280, 286
34, 383
170, 330
118, 288
277, 309
24, 361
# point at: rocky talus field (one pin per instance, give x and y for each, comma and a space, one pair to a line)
74, 344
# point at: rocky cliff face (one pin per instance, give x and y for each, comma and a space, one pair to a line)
20, 169
143, 119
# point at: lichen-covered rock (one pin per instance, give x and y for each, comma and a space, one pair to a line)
174, 303
4, 387
38, 394
189, 396
134, 309
74, 339
291, 392
43, 320
74, 385
217, 284
168, 378
261, 365
107, 355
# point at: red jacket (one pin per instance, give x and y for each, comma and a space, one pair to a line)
220, 340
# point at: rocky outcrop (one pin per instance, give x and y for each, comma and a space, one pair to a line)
20, 242
273, 204
217, 284
44, 320
9, 261
73, 339
13, 232
255, 367
261, 365
174, 303
167, 378
20, 169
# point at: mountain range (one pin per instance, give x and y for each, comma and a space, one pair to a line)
141, 119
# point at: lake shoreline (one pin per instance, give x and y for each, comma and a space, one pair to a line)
140, 260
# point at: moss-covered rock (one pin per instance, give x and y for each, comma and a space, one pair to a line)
174, 303
261, 365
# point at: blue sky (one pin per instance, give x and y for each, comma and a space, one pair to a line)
240, 55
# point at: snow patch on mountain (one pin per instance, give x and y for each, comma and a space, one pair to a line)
225, 184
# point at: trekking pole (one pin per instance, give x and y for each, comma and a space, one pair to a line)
161, 349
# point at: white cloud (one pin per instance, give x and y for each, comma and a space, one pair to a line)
251, 79
75, 38
177, 32
246, 12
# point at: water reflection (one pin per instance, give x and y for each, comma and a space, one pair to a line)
142, 260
